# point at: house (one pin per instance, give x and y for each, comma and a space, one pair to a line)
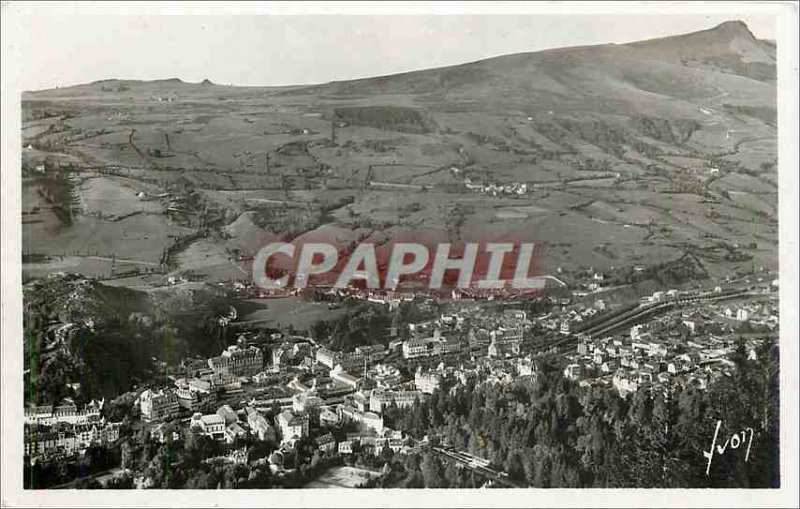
156, 406
425, 347
110, 433
292, 425
346, 447
505, 342
451, 345
326, 443
265, 378
306, 402
367, 419
238, 457
381, 399
233, 431
282, 355
227, 413
65, 412
200, 386
276, 461
41, 444
526, 367
161, 434
188, 399
327, 357
225, 381
258, 424
237, 361
572, 371
328, 418
694, 324
427, 381
338, 374
624, 384
37, 415
210, 425
360, 401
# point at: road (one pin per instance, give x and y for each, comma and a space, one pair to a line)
415, 187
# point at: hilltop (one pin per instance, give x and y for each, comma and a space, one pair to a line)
107, 339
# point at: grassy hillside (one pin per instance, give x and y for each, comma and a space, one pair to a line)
632, 155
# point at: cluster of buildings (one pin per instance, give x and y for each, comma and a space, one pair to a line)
689, 346
286, 388
511, 188
64, 431
205, 379
230, 425
502, 338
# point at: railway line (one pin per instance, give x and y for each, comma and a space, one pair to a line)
477, 465
638, 314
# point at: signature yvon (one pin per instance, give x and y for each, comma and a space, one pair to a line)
734, 441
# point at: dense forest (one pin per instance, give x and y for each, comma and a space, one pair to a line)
552, 433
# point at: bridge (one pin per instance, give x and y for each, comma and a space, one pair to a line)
477, 465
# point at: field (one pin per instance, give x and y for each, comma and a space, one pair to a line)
627, 160
287, 311
341, 477
114, 198
114, 228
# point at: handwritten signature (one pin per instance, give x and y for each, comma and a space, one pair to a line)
735, 440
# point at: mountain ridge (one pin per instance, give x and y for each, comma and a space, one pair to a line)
722, 32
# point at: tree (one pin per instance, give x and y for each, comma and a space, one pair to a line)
432, 473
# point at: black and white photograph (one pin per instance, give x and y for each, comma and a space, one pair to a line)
387, 254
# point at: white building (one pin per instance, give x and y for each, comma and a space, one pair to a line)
572, 371
156, 406
427, 382
212, 425
381, 399
237, 361
68, 412
425, 347
293, 425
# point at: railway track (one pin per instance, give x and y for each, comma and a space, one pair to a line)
478, 465
638, 314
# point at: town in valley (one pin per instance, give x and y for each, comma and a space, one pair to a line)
645, 174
